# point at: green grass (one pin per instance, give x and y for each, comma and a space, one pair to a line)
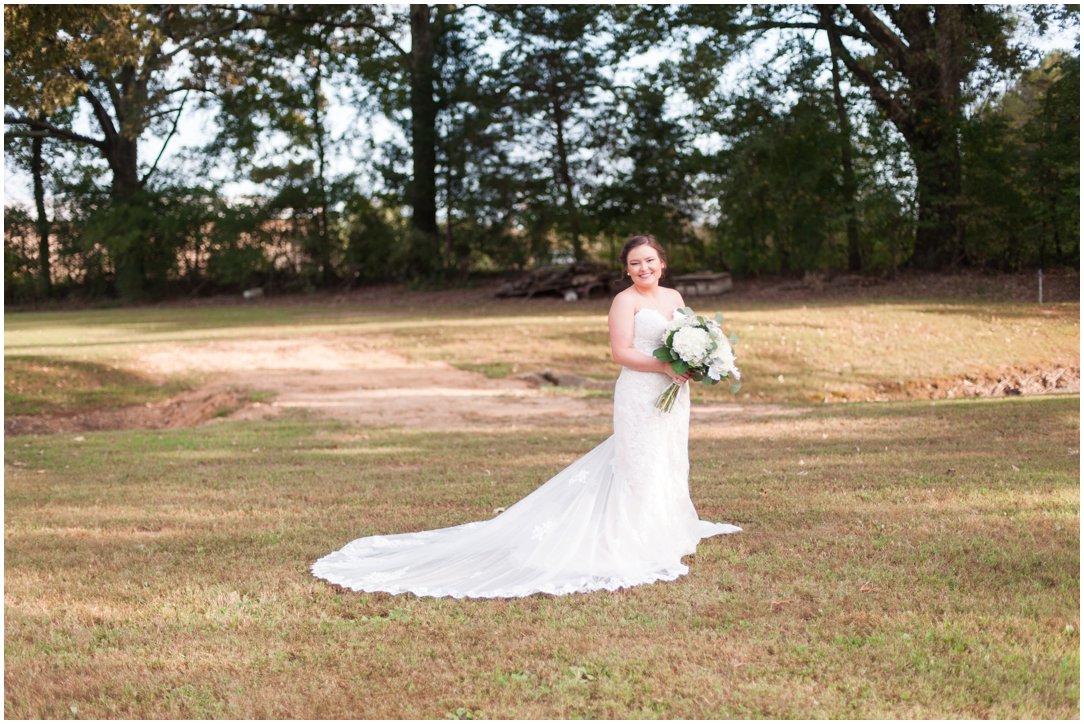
899, 560
493, 370
41, 385
909, 560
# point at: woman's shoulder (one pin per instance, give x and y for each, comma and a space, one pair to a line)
674, 297
624, 299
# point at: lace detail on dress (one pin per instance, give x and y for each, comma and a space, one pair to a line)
578, 478
619, 516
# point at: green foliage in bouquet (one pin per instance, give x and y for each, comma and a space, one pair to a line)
667, 354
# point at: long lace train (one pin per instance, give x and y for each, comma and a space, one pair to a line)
619, 516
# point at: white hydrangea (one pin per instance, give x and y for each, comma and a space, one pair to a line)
722, 362
680, 320
722, 368
692, 344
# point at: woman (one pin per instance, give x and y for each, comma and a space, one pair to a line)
619, 516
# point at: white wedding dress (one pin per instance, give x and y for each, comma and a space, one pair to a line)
619, 516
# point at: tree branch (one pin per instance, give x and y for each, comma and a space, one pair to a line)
780, 25
881, 95
164, 111
883, 37
102, 115
165, 143
914, 23
114, 96
215, 32
381, 32
48, 129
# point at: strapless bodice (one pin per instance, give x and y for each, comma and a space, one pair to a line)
649, 328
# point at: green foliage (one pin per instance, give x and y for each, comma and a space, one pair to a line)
21, 281
42, 43
236, 256
144, 236
1022, 185
550, 78
780, 191
554, 133
374, 242
658, 192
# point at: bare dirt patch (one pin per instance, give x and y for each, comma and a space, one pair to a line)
1005, 382
347, 379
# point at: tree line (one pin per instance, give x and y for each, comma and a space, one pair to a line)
758, 138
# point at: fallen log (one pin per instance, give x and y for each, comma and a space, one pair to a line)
573, 281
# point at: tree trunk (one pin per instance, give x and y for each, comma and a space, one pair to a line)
322, 255
850, 185
130, 263
1057, 235
425, 258
564, 176
927, 112
36, 166
122, 153
935, 151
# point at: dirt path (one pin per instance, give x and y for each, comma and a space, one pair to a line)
346, 378
343, 378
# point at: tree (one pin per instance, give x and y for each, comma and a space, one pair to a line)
114, 58
914, 61
33, 158
779, 193
480, 183
849, 186
117, 61
1022, 174
657, 191
1053, 134
397, 73
554, 77
425, 27
273, 83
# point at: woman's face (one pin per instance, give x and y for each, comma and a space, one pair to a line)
645, 267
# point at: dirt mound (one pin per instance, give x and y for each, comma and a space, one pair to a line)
1017, 380
185, 410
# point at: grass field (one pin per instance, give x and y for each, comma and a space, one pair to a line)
909, 559
789, 352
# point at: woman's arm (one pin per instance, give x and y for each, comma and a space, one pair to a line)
622, 319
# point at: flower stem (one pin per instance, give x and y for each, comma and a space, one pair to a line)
665, 401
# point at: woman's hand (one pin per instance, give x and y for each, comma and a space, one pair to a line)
674, 376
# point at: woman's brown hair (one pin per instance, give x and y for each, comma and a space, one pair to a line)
641, 240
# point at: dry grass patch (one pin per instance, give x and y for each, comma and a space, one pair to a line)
908, 560
899, 560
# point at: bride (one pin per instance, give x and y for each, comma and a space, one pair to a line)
619, 516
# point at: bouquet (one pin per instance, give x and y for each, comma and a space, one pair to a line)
697, 345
